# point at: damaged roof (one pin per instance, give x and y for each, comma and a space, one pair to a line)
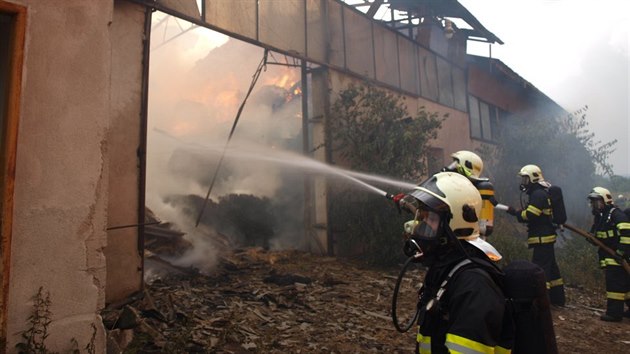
418, 9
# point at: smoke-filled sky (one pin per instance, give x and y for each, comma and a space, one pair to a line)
575, 51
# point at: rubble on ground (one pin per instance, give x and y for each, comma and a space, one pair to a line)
295, 302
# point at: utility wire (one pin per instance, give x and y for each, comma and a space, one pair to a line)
262, 66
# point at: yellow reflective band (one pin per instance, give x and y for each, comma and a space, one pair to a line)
524, 214
542, 239
615, 296
486, 192
532, 209
609, 262
424, 344
546, 211
554, 283
623, 226
458, 344
605, 234
628, 295
624, 240
501, 350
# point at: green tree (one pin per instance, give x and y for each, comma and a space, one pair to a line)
373, 132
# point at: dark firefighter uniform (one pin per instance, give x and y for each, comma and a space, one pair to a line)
613, 229
541, 237
469, 318
488, 202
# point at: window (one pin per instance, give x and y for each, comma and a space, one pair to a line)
484, 119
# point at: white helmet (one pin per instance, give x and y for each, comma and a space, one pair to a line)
469, 164
601, 192
449, 194
533, 172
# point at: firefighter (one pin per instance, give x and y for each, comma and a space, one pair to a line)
611, 226
541, 233
468, 315
469, 164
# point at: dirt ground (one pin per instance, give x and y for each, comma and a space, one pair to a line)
294, 302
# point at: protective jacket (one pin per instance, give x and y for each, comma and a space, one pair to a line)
471, 315
537, 215
541, 236
612, 228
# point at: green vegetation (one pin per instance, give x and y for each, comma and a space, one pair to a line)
34, 337
373, 132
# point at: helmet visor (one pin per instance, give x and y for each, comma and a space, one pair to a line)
428, 224
596, 201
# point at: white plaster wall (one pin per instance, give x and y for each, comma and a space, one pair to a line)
61, 180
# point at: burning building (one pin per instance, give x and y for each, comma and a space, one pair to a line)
74, 102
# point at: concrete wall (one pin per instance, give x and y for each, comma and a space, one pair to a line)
70, 92
124, 263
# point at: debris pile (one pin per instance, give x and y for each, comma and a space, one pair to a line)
295, 302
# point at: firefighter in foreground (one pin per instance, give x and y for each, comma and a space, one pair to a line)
466, 317
541, 233
611, 226
469, 164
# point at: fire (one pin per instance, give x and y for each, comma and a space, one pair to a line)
285, 79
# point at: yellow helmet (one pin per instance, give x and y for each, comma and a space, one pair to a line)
533, 172
451, 194
469, 164
601, 192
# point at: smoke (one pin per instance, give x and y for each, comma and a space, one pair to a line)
194, 103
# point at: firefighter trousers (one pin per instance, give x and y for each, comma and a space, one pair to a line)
545, 257
617, 288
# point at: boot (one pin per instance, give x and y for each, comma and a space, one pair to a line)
609, 318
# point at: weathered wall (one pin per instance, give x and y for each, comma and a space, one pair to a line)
124, 264
60, 210
491, 89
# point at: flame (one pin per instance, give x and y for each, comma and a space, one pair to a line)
285, 79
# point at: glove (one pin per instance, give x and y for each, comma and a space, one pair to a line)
398, 197
513, 211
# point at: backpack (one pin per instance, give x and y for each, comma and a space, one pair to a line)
558, 212
527, 304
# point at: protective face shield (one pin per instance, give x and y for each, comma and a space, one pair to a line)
524, 183
533, 174
599, 197
426, 226
597, 205
449, 206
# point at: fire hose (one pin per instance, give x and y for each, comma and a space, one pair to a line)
600, 244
